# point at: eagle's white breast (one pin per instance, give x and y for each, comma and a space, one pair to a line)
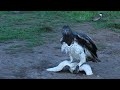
74, 49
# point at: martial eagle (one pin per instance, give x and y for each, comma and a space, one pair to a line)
78, 45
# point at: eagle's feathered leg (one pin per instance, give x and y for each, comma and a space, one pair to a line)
73, 67
82, 61
71, 58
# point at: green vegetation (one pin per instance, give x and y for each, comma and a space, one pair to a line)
31, 25
110, 20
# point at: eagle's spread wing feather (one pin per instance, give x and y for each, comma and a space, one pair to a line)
88, 43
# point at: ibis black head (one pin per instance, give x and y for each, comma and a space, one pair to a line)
68, 36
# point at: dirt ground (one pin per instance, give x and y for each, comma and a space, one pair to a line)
21, 62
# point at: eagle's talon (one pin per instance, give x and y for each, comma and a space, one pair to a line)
76, 69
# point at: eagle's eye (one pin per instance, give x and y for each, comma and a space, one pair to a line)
66, 32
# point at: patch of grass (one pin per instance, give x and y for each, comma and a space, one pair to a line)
110, 20
30, 25
114, 25
25, 26
80, 16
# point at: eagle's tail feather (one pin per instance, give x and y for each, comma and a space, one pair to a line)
98, 60
95, 57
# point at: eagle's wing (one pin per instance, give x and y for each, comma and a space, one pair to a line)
88, 43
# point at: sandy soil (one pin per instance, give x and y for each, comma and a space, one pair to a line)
31, 63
